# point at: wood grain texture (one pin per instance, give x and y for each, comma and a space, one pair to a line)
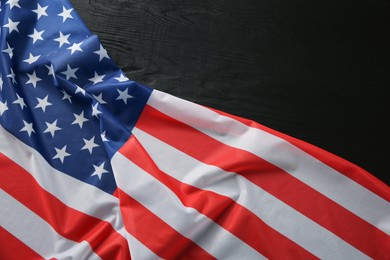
316, 70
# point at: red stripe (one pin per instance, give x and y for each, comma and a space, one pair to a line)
12, 248
274, 180
341, 165
221, 209
115, 194
155, 234
68, 222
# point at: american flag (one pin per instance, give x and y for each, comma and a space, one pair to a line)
96, 166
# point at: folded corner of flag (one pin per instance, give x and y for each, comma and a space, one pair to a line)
96, 166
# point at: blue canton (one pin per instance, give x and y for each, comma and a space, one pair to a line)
60, 92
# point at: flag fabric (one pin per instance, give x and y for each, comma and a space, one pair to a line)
96, 166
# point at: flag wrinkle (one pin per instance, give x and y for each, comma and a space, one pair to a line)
267, 207
222, 209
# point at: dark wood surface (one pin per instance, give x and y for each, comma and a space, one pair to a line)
316, 70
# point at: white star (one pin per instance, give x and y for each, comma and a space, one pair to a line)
33, 79
66, 14
9, 51
40, 11
51, 70
31, 59
97, 78
79, 90
70, 73
13, 3
102, 53
43, 103
12, 76
36, 35
95, 110
12, 26
103, 136
99, 170
122, 78
1, 83
19, 101
52, 128
28, 127
3, 107
66, 96
89, 144
124, 95
75, 47
61, 154
99, 98
79, 119
62, 39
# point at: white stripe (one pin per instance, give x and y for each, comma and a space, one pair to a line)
278, 215
70, 191
139, 250
166, 205
281, 153
38, 234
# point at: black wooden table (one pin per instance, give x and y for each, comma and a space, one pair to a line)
316, 70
